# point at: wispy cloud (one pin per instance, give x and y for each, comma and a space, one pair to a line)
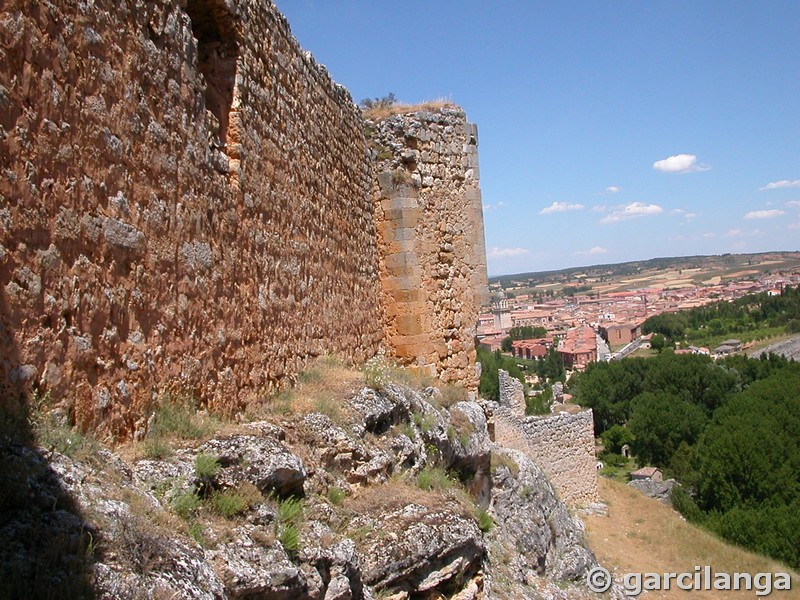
783, 183
613, 189
680, 163
556, 207
632, 211
500, 204
495, 252
736, 233
682, 213
764, 214
793, 203
593, 251
794, 225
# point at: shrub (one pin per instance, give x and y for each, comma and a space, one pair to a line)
336, 496
425, 422
228, 503
186, 505
434, 478
289, 537
377, 371
206, 466
485, 521
290, 510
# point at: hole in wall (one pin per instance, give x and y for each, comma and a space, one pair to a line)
217, 55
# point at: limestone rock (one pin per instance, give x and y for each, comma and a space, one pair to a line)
417, 549
659, 490
263, 461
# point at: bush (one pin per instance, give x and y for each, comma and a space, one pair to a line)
336, 496
485, 521
289, 537
377, 372
186, 505
434, 478
206, 466
228, 503
290, 510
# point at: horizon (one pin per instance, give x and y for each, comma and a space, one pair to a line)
637, 260
607, 132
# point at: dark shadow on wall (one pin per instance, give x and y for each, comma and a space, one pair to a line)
217, 56
46, 546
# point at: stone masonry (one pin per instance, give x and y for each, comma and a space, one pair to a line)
561, 445
430, 235
512, 394
187, 204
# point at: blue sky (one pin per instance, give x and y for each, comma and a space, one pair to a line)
608, 131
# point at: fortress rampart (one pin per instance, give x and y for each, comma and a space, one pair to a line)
188, 202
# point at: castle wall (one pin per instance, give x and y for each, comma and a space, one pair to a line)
430, 238
562, 445
185, 203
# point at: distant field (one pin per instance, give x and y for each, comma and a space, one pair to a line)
641, 535
659, 273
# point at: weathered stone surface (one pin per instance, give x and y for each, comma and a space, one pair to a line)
534, 530
250, 570
264, 462
186, 172
141, 193
430, 230
659, 490
418, 549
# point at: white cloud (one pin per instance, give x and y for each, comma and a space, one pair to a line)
793, 203
794, 225
709, 234
742, 233
632, 211
500, 204
593, 251
599, 208
682, 213
495, 252
764, 214
560, 207
613, 189
680, 163
783, 183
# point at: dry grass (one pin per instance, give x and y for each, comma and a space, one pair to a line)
641, 535
323, 387
381, 112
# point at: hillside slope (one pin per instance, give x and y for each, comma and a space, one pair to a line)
642, 535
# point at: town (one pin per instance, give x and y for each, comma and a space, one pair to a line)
607, 326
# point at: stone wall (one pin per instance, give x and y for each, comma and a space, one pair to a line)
184, 202
187, 203
562, 446
430, 234
511, 393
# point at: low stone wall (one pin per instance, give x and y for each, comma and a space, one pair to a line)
562, 446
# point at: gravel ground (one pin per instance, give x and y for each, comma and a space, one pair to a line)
789, 348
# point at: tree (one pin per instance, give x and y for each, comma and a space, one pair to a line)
660, 422
657, 342
615, 437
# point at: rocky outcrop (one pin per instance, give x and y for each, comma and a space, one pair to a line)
379, 514
659, 490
